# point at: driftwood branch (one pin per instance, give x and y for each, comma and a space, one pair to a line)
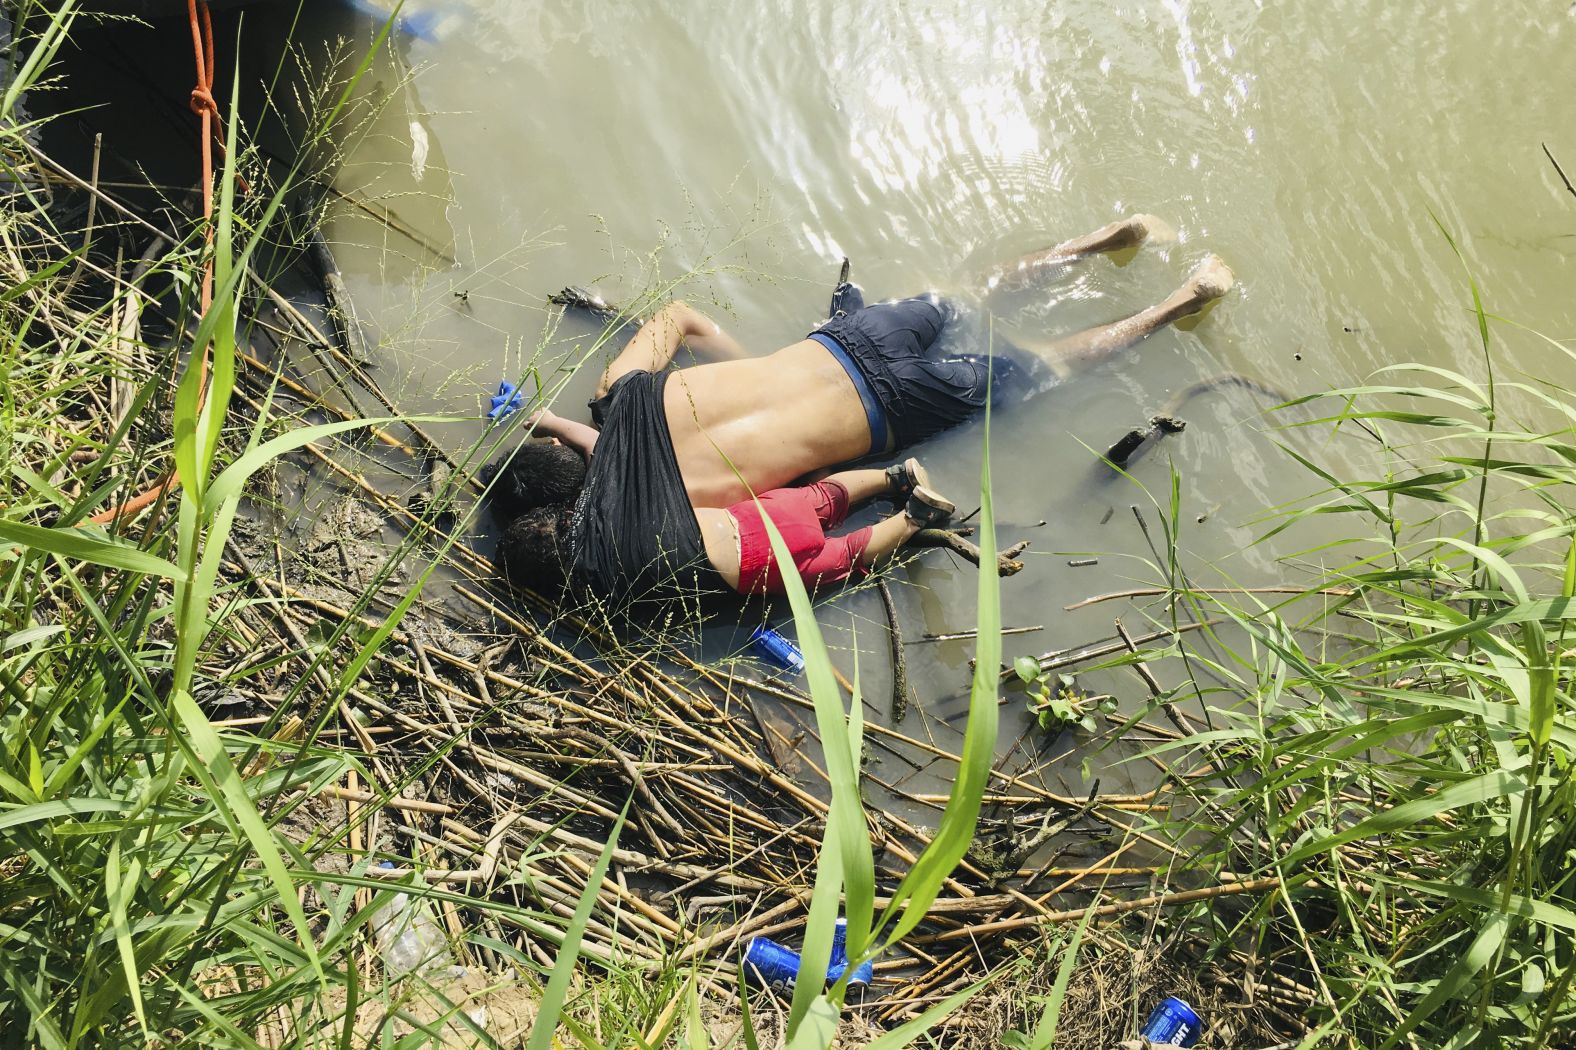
899, 663
1173, 712
952, 540
1161, 900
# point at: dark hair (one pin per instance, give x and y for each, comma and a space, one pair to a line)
537, 474
534, 549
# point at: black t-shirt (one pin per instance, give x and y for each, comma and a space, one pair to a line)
634, 537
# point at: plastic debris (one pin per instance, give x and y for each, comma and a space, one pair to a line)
428, 25
408, 936
505, 402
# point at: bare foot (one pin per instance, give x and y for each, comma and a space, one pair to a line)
1122, 234
1210, 279
1153, 229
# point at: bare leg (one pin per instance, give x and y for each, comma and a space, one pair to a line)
1210, 280
1026, 270
887, 536
861, 484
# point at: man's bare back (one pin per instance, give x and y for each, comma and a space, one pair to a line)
761, 423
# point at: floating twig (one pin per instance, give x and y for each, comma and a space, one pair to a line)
1563, 177
959, 635
1153, 592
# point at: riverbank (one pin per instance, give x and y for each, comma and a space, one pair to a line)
308, 713
224, 719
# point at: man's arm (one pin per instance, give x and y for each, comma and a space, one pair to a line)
653, 347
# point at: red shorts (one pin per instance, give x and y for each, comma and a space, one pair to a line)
802, 515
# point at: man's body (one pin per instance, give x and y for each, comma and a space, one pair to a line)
759, 423
862, 384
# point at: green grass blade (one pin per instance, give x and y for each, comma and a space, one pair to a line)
1045, 1032
33, 280
905, 1034
955, 832
230, 482
1521, 907
80, 545
219, 775
818, 1029
221, 380
118, 886
553, 996
746, 1018
1497, 783
60, 807
53, 36
1484, 947
694, 1023
846, 866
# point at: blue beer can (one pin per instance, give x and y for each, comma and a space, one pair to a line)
771, 964
863, 974
777, 650
840, 942
1173, 1021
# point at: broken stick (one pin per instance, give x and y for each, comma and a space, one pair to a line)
1006, 560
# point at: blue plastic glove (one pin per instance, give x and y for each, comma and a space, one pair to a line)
505, 401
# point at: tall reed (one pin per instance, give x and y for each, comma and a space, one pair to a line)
1397, 743
144, 862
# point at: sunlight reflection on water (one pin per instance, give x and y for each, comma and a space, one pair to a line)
927, 140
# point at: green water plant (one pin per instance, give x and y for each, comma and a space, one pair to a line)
1396, 744
1056, 701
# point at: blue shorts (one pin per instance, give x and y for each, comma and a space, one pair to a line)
924, 362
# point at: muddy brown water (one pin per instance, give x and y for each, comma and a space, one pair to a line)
742, 151
738, 152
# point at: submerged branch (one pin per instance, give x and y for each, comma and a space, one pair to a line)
899, 663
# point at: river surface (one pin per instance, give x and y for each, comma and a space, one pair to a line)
738, 152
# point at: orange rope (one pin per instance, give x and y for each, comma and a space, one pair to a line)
203, 104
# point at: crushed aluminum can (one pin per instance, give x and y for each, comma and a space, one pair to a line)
863, 974
777, 967
776, 650
1173, 1021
